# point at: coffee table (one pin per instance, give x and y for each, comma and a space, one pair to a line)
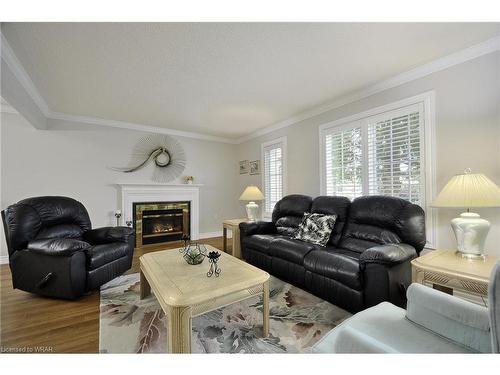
184, 291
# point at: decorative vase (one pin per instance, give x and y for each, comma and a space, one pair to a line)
193, 253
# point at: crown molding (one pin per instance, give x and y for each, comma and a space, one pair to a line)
470, 53
7, 108
22, 76
137, 127
8, 55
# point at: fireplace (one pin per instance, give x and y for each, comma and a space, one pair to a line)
160, 222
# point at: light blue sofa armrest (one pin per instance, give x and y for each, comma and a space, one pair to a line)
457, 320
494, 305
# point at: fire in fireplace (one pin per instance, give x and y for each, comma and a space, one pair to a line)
161, 222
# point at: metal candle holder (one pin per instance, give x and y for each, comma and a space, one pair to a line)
213, 258
118, 215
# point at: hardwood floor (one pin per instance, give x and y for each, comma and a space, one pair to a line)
36, 324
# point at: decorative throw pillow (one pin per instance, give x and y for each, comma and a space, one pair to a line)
316, 228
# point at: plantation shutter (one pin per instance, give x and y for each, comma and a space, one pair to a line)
377, 155
273, 175
343, 163
394, 155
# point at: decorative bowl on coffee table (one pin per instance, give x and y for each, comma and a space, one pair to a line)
193, 253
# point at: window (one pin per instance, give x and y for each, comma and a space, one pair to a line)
385, 151
274, 172
394, 156
343, 163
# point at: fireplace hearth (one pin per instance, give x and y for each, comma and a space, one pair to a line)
161, 222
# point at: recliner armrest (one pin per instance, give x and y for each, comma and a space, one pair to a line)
256, 227
388, 254
458, 320
57, 246
106, 235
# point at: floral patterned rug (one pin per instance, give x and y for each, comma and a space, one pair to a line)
297, 321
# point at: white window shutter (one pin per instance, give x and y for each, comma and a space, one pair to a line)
378, 155
394, 156
343, 163
273, 155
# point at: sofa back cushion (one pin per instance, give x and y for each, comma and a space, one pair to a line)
72, 231
288, 213
44, 217
338, 206
379, 220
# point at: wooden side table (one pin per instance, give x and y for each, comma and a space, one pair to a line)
234, 226
451, 273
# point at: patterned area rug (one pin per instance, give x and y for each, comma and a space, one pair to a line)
297, 321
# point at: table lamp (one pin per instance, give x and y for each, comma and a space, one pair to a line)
251, 194
465, 191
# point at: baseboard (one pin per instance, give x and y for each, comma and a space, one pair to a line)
4, 259
212, 234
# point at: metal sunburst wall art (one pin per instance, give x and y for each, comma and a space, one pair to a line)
165, 152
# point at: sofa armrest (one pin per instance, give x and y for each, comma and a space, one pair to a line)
256, 227
388, 254
57, 246
106, 235
458, 320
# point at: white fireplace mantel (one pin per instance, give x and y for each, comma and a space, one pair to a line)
130, 193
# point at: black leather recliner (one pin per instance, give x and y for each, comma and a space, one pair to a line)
366, 261
54, 252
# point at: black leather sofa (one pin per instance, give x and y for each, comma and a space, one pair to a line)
366, 261
54, 252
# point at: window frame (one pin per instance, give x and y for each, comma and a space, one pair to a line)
282, 142
427, 102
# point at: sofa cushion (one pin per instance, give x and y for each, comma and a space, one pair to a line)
316, 228
359, 237
288, 225
288, 212
291, 250
260, 242
338, 206
383, 329
292, 205
338, 264
57, 246
100, 255
380, 220
61, 231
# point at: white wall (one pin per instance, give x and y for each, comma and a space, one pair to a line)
467, 135
75, 163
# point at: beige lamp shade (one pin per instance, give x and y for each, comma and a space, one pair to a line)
252, 193
469, 190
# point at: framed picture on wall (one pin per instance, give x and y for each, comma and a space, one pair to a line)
255, 167
244, 166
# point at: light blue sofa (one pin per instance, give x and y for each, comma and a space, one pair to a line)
434, 322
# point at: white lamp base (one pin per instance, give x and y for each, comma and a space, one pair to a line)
470, 231
252, 211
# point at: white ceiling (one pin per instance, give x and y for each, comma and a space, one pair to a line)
222, 79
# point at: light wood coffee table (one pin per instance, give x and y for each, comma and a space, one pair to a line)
184, 291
